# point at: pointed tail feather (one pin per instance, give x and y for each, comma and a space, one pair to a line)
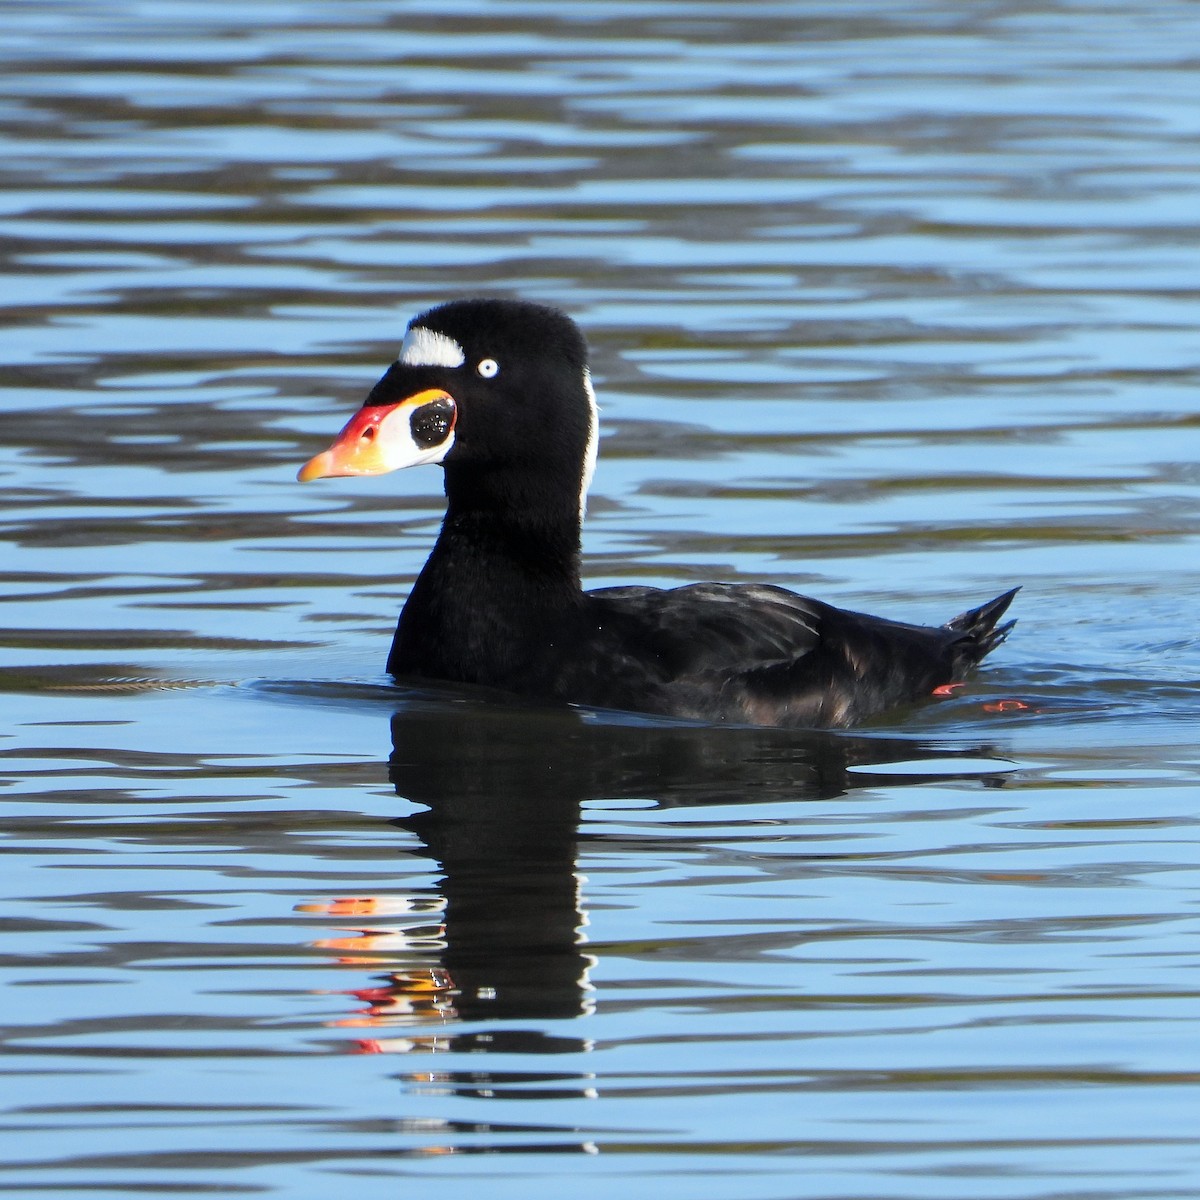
978, 632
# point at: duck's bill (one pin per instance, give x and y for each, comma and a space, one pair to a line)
381, 438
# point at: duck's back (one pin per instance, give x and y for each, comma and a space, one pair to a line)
762, 655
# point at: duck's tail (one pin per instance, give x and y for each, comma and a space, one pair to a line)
978, 633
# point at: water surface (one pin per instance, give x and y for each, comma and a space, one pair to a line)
894, 305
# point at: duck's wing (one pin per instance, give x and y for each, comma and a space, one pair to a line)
766, 656
706, 627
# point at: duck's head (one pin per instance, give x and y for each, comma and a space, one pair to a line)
484, 387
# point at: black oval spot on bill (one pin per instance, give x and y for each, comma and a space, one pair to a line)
432, 422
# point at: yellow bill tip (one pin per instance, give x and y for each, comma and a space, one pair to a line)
317, 467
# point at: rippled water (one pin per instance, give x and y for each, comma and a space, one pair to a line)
896, 304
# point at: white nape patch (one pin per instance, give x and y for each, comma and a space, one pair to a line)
593, 443
426, 348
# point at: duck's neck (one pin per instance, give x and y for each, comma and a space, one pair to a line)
503, 576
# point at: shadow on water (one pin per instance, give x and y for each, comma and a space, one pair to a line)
504, 790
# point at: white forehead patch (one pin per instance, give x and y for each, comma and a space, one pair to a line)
426, 348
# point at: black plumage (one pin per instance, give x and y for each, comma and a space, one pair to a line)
500, 603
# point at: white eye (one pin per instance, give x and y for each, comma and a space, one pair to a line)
488, 368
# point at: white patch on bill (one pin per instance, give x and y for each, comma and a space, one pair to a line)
593, 443
399, 448
427, 348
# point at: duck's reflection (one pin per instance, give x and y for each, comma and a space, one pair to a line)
504, 788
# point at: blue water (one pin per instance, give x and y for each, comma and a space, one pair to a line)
892, 304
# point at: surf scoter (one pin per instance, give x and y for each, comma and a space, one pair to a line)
498, 393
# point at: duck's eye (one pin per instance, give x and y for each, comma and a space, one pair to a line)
488, 367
